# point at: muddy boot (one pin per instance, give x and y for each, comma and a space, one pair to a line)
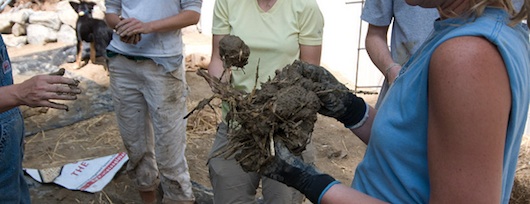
148, 197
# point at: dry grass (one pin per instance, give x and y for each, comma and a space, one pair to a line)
83, 140
204, 121
98, 136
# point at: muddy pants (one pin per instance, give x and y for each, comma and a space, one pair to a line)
150, 105
233, 185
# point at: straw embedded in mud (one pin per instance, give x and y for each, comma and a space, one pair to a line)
284, 109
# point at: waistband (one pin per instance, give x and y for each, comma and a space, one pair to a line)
136, 58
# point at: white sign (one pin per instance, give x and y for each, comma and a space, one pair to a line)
90, 175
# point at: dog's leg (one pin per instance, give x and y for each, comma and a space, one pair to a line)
106, 65
93, 51
79, 56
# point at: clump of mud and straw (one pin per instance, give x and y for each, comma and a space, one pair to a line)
283, 109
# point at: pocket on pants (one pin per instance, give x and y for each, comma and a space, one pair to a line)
181, 84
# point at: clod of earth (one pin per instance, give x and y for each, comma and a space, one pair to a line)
59, 72
233, 52
284, 109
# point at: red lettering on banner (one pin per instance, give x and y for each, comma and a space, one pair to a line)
80, 168
110, 165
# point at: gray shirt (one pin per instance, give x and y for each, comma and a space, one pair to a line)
164, 48
411, 24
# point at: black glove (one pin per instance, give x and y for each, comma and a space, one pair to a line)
293, 172
336, 99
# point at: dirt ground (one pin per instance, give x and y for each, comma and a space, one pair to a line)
338, 150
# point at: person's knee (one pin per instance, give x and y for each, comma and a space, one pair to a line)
229, 176
276, 192
223, 168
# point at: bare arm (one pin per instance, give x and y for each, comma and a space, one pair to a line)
377, 48
311, 54
112, 19
365, 130
339, 193
469, 107
9, 98
215, 68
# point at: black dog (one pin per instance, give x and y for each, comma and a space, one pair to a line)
94, 31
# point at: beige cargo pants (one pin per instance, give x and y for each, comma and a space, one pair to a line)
150, 105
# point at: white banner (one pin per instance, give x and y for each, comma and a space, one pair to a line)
90, 175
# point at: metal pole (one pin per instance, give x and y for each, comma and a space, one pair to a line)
4, 4
359, 48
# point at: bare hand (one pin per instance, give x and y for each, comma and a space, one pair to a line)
132, 26
39, 90
392, 74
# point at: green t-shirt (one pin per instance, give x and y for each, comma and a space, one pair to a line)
274, 37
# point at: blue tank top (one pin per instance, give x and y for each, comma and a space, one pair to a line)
394, 168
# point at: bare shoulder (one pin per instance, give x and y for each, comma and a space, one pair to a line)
468, 71
467, 58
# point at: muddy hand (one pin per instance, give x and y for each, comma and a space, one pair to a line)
59, 72
331, 92
337, 100
133, 39
321, 75
293, 172
39, 90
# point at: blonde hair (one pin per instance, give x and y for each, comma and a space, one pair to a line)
477, 7
522, 14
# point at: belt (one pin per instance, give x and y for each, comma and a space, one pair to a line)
136, 58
